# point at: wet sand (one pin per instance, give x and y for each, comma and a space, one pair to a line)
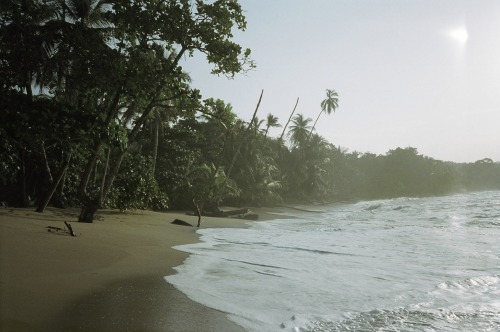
108, 278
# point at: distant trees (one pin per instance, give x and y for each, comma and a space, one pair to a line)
483, 174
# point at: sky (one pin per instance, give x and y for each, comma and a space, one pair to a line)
419, 73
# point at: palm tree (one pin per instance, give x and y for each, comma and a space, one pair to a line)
89, 13
299, 130
209, 185
256, 123
271, 121
328, 105
75, 43
25, 39
238, 148
290, 118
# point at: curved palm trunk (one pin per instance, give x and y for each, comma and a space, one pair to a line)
111, 114
24, 195
82, 188
244, 135
91, 206
55, 184
314, 126
199, 208
156, 129
289, 119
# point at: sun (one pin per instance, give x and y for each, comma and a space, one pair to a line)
460, 34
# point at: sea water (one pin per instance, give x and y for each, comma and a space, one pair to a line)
406, 264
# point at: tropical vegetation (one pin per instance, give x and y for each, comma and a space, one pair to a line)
96, 111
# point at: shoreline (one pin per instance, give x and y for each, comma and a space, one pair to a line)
109, 277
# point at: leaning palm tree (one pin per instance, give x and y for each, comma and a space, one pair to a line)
328, 105
299, 130
290, 118
238, 148
271, 121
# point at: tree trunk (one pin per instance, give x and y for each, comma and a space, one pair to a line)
156, 129
267, 130
314, 126
104, 175
198, 211
89, 208
41, 207
88, 211
244, 136
131, 138
289, 119
24, 195
63, 182
82, 187
46, 163
110, 115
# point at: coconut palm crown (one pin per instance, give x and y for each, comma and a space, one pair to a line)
329, 105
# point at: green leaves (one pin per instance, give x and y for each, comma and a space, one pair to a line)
331, 103
209, 185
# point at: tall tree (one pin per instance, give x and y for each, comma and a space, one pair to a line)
153, 44
256, 123
245, 133
328, 106
299, 130
289, 119
271, 121
23, 43
89, 13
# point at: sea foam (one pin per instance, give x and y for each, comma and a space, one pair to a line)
365, 266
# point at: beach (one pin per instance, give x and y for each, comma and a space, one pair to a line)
110, 277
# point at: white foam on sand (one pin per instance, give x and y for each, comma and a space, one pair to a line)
351, 267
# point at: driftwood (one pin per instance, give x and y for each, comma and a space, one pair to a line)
227, 213
55, 229
59, 229
70, 229
181, 222
221, 214
238, 213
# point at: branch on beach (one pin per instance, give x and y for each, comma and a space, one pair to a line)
227, 213
69, 230
199, 208
238, 213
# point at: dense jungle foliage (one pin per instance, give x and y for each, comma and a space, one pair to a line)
96, 111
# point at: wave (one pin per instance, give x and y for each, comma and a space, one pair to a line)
484, 284
411, 321
401, 265
374, 207
440, 312
401, 207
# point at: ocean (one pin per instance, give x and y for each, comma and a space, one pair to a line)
406, 264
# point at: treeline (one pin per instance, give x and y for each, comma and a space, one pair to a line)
96, 111
404, 172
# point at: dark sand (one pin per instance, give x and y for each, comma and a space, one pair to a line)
108, 278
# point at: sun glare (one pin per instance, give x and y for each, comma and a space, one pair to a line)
459, 35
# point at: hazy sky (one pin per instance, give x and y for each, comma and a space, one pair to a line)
420, 73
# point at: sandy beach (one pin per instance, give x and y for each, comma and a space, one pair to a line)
108, 278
